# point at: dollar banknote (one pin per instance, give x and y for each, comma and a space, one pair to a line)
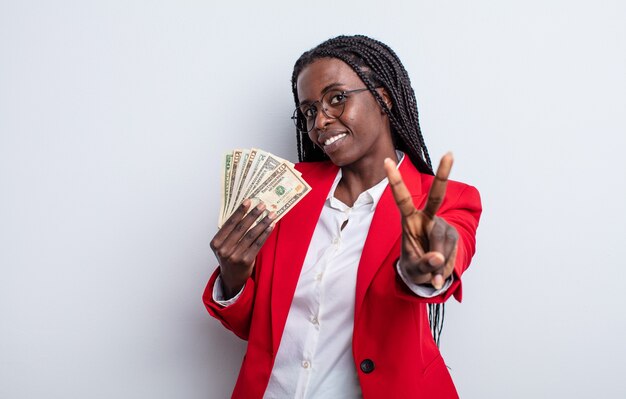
280, 191
261, 177
230, 183
226, 170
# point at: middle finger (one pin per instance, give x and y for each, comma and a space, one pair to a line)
401, 193
438, 188
244, 224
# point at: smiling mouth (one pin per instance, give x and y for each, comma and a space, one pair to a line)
334, 138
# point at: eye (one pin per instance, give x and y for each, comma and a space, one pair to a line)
309, 112
337, 98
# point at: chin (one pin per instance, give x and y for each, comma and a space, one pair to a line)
341, 160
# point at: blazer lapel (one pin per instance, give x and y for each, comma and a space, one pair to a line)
294, 237
384, 231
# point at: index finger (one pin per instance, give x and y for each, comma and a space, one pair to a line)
230, 223
401, 194
438, 188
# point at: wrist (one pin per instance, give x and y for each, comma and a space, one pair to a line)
232, 283
414, 275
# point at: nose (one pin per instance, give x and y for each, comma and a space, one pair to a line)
321, 120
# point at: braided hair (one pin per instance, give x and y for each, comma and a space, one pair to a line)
378, 66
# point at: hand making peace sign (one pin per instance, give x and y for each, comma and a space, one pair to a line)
429, 243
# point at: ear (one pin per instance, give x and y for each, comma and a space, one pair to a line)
386, 97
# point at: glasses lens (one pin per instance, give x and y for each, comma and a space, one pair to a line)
334, 102
300, 121
332, 105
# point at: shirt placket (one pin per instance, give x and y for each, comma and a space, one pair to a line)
326, 260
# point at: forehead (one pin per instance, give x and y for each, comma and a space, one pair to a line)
322, 73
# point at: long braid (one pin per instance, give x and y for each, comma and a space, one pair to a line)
377, 65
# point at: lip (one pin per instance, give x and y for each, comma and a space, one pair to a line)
335, 145
322, 138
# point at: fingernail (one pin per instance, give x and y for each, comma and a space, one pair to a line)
272, 215
438, 281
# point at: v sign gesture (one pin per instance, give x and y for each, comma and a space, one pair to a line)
429, 243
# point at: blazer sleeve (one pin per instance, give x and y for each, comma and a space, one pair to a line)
237, 317
462, 209
463, 215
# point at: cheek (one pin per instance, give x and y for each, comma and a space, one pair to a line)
349, 117
363, 113
313, 136
358, 120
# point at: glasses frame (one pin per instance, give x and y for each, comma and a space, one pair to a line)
298, 116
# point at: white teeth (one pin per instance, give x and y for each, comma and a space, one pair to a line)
334, 138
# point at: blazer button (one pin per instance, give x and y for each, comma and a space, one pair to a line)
367, 366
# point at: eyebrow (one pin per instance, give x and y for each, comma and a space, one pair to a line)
324, 91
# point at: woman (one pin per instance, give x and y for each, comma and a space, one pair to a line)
333, 298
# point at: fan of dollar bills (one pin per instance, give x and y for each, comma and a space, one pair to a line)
262, 177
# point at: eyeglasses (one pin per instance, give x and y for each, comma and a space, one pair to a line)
333, 104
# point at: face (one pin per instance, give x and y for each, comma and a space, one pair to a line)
362, 133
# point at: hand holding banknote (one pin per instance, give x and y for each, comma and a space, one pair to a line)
258, 188
236, 244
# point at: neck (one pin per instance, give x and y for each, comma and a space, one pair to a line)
361, 176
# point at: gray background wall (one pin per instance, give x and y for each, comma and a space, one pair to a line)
114, 116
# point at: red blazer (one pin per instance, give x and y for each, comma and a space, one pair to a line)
394, 352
